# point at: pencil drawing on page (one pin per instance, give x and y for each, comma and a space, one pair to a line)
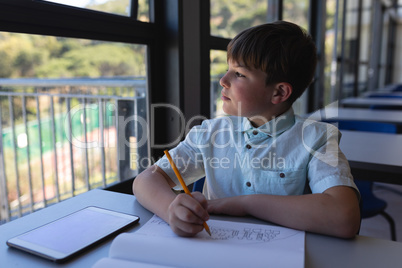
224, 231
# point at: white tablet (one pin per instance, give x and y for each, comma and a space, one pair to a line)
66, 237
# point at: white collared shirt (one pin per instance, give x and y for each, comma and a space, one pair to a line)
278, 158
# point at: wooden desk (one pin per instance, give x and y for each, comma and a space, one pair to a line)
321, 251
358, 114
374, 156
368, 102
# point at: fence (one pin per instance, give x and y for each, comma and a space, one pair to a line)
62, 137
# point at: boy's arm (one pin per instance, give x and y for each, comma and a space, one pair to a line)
334, 212
185, 214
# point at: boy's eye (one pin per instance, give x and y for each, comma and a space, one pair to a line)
239, 74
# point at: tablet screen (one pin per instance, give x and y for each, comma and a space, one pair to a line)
59, 239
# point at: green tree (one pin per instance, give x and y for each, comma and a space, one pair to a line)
229, 17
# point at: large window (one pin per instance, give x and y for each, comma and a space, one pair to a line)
73, 98
59, 98
366, 42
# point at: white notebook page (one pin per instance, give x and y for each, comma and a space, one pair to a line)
232, 244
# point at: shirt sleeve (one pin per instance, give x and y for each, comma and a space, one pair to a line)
328, 166
188, 158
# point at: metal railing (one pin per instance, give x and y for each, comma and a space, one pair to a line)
62, 137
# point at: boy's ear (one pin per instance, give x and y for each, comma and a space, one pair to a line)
282, 92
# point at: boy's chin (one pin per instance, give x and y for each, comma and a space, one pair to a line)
229, 111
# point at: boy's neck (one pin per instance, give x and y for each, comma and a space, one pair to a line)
260, 120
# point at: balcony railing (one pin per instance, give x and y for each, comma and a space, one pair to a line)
62, 137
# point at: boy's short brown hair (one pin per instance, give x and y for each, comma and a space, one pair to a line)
283, 50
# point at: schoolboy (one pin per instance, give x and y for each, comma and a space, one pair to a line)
259, 160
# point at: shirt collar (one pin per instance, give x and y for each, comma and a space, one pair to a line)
275, 127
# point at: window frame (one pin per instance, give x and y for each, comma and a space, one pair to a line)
161, 35
67, 21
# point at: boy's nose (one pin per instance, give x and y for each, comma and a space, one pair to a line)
223, 81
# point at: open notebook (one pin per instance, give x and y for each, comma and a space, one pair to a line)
232, 244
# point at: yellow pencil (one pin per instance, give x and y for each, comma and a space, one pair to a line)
186, 190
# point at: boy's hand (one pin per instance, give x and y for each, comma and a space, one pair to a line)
187, 214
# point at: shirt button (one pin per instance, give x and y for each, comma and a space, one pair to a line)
248, 146
282, 175
255, 132
248, 184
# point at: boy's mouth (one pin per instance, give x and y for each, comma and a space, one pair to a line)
223, 97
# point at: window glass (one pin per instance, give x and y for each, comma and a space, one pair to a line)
119, 7
229, 17
60, 99
386, 45
333, 44
365, 45
23, 55
218, 69
365, 33
296, 11
350, 48
330, 36
363, 77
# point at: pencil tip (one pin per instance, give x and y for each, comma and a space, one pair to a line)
208, 231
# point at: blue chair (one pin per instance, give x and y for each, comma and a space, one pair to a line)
198, 185
370, 205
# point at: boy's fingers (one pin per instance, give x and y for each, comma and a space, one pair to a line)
194, 206
200, 208
186, 216
201, 199
183, 228
182, 219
